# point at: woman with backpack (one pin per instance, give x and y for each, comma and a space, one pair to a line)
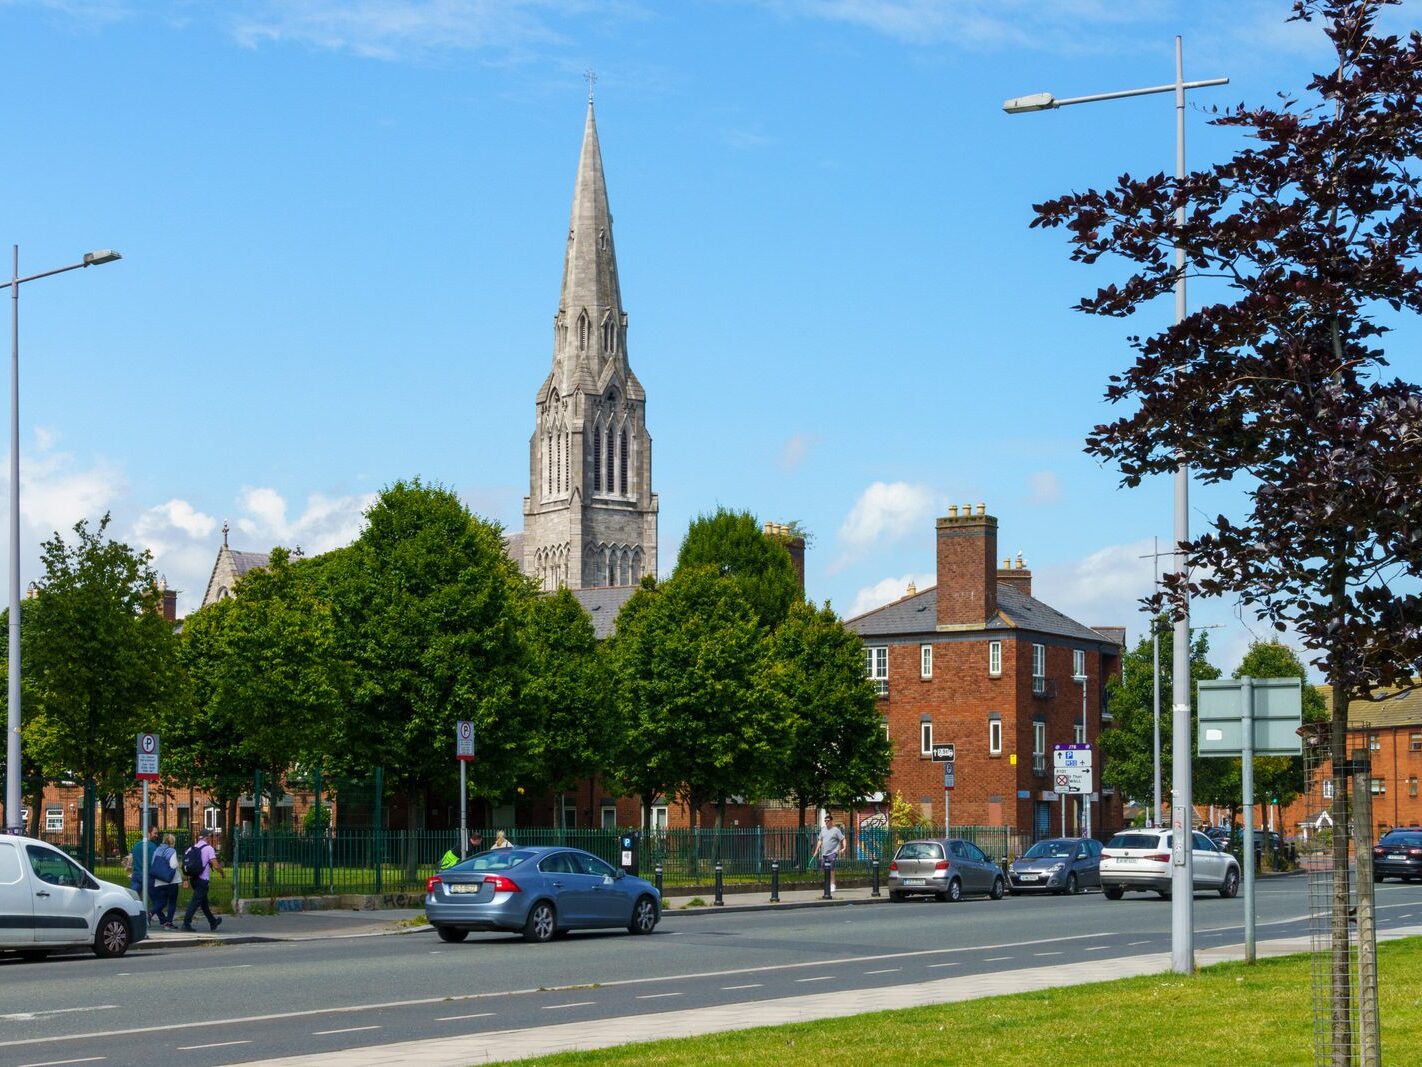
165, 879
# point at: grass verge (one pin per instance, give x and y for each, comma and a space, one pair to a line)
1226, 1014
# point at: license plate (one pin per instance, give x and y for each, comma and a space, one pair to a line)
1028, 877
914, 881
1125, 859
464, 887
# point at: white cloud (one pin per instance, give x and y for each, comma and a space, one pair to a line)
178, 514
889, 589
1102, 589
328, 522
884, 512
55, 494
794, 451
1043, 488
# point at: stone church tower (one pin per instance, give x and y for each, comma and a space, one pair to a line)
590, 518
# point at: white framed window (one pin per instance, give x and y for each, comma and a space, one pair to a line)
995, 658
1328, 789
1078, 663
876, 663
659, 817
1412, 786
884, 721
925, 738
1415, 741
211, 817
1078, 733
1379, 787
609, 816
1039, 747
1375, 742
1039, 668
925, 661
54, 820
994, 737
570, 813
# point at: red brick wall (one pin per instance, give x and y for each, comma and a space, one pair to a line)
967, 570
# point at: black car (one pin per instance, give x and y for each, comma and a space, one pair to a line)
1398, 855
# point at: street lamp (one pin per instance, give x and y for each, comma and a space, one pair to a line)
1182, 941
1086, 803
13, 824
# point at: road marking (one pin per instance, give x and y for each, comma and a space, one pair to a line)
819, 978
931, 966
1098, 948
28, 1016
56, 1063
575, 1004
461, 1018
215, 1044
658, 996
1133, 944
347, 1030
1046, 953
753, 985
886, 970
996, 959
236, 966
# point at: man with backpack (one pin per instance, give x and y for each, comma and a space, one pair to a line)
199, 861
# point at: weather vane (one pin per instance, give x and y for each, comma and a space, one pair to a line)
590, 77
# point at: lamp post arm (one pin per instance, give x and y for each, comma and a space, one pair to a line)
1123, 93
44, 274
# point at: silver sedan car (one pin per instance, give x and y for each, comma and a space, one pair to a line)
541, 892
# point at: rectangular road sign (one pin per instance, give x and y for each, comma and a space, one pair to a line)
1071, 768
146, 762
945, 753
464, 740
948, 776
1278, 713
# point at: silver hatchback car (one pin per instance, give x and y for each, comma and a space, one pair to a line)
541, 892
945, 868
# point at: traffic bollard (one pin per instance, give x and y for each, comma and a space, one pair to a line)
827, 895
718, 902
659, 879
874, 891
775, 882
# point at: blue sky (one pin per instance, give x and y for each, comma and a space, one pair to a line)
343, 225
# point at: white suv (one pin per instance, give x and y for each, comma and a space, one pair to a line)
1140, 859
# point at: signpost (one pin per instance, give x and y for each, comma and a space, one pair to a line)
1246, 717
946, 754
1071, 775
145, 769
464, 753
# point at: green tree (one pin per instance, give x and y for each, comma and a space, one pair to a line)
733, 544
568, 693
99, 658
833, 749
1127, 746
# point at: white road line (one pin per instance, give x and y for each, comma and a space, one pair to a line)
575, 1004
753, 985
1098, 948
658, 996
932, 966
235, 967
347, 1030
215, 1044
56, 1063
1046, 953
461, 1018
27, 1016
819, 978
886, 970
1133, 944
996, 959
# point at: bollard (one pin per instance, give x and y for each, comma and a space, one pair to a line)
659, 879
827, 895
775, 882
718, 902
874, 891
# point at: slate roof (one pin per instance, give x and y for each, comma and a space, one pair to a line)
513, 547
247, 561
1396, 709
603, 604
918, 614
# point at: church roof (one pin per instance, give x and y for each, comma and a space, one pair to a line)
918, 614
247, 561
603, 604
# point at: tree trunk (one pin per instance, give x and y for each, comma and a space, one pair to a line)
1340, 999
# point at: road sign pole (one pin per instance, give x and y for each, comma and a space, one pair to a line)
1246, 769
143, 843
463, 808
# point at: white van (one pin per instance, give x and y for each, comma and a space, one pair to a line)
48, 902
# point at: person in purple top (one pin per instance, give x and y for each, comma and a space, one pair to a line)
199, 861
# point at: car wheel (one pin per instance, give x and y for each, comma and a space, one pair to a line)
541, 923
1112, 892
112, 937
1164, 894
999, 888
1377, 877
1073, 887
450, 934
644, 916
1231, 884
955, 890
895, 897
34, 955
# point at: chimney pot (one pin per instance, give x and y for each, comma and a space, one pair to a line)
769, 528
952, 511
982, 510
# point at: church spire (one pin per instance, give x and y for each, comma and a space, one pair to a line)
590, 286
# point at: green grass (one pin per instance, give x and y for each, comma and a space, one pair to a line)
1225, 1015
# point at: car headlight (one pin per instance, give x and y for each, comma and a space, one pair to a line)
1058, 867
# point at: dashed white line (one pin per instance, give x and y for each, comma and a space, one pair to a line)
215, 1044
886, 970
818, 978
658, 996
1046, 953
28, 1016
752, 985
996, 959
347, 1030
461, 1018
1098, 948
575, 1004
933, 966
56, 1063
1132, 944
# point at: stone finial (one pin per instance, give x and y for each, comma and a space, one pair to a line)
224, 533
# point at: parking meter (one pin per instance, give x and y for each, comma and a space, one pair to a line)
630, 844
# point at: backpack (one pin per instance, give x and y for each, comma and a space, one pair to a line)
192, 861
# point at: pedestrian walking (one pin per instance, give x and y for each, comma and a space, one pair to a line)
167, 876
828, 848
135, 860
500, 841
199, 862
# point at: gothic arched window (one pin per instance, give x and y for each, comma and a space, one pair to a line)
597, 458
622, 459
609, 335
548, 463
611, 469
584, 330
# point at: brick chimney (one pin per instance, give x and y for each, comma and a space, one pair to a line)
794, 544
967, 567
167, 600
1015, 575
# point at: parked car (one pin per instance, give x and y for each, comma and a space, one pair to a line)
48, 902
1057, 865
1398, 855
1140, 860
1219, 836
541, 892
944, 868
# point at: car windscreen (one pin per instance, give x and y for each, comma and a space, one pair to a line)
1045, 850
1402, 840
1137, 841
920, 850
500, 859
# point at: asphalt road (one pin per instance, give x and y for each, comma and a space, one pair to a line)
235, 1003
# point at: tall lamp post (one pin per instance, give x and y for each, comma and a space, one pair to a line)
1182, 940
1086, 801
12, 725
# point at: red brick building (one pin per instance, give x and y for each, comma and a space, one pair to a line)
979, 662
